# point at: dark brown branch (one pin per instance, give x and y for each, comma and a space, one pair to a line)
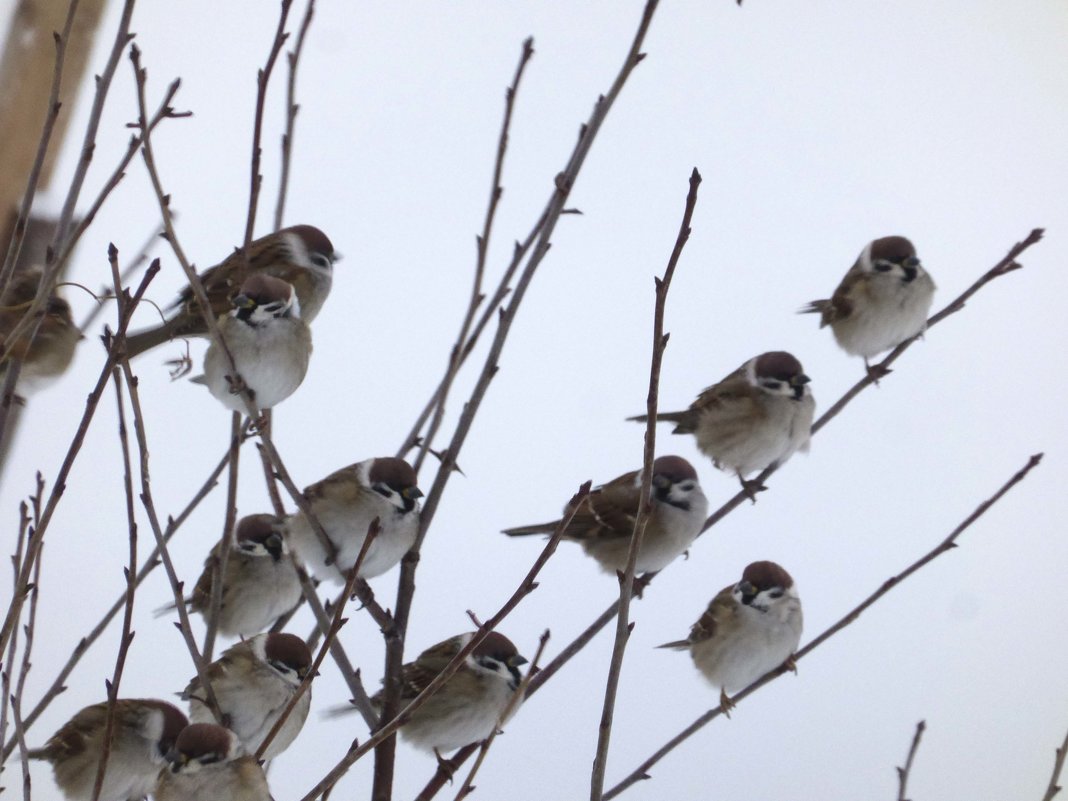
263, 77
903, 772
626, 584
641, 772
1058, 764
482, 243
292, 109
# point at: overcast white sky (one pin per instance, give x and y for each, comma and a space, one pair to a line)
817, 126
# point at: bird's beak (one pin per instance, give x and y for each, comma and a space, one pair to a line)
799, 380
412, 493
273, 543
244, 302
517, 660
661, 482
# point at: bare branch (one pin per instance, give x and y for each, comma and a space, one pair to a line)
626, 584
1058, 765
292, 60
903, 773
641, 772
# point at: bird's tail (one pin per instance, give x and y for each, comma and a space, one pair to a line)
162, 610
140, 341
677, 645
815, 307
661, 417
537, 528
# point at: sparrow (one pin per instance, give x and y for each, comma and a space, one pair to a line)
270, 344
469, 706
748, 629
209, 763
253, 681
757, 416
49, 354
345, 503
301, 255
144, 730
882, 301
604, 525
260, 583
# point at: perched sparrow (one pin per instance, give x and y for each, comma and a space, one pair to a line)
755, 417
49, 354
144, 731
345, 503
270, 344
209, 763
882, 301
260, 583
300, 255
605, 524
253, 681
469, 706
748, 629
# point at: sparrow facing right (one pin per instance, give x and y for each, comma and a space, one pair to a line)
49, 354
883, 299
748, 629
469, 706
300, 255
345, 503
757, 416
260, 584
253, 681
208, 763
143, 733
269, 341
605, 524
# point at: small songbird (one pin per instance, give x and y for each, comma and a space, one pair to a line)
757, 416
748, 629
260, 583
604, 525
301, 255
270, 344
345, 503
208, 763
253, 681
144, 730
49, 354
469, 706
883, 299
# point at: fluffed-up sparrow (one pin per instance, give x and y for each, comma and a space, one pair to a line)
144, 731
469, 706
604, 525
269, 341
757, 416
345, 503
883, 299
260, 583
748, 629
300, 255
49, 353
253, 681
209, 763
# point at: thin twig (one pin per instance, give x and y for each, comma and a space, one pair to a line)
467, 787
641, 772
226, 541
626, 584
903, 773
292, 109
1058, 764
482, 249
263, 77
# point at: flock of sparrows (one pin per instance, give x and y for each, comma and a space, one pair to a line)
759, 415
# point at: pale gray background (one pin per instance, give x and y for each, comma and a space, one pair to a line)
817, 126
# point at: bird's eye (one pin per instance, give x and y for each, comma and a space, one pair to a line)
209, 759
686, 486
320, 261
883, 266
281, 667
771, 383
382, 490
775, 593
